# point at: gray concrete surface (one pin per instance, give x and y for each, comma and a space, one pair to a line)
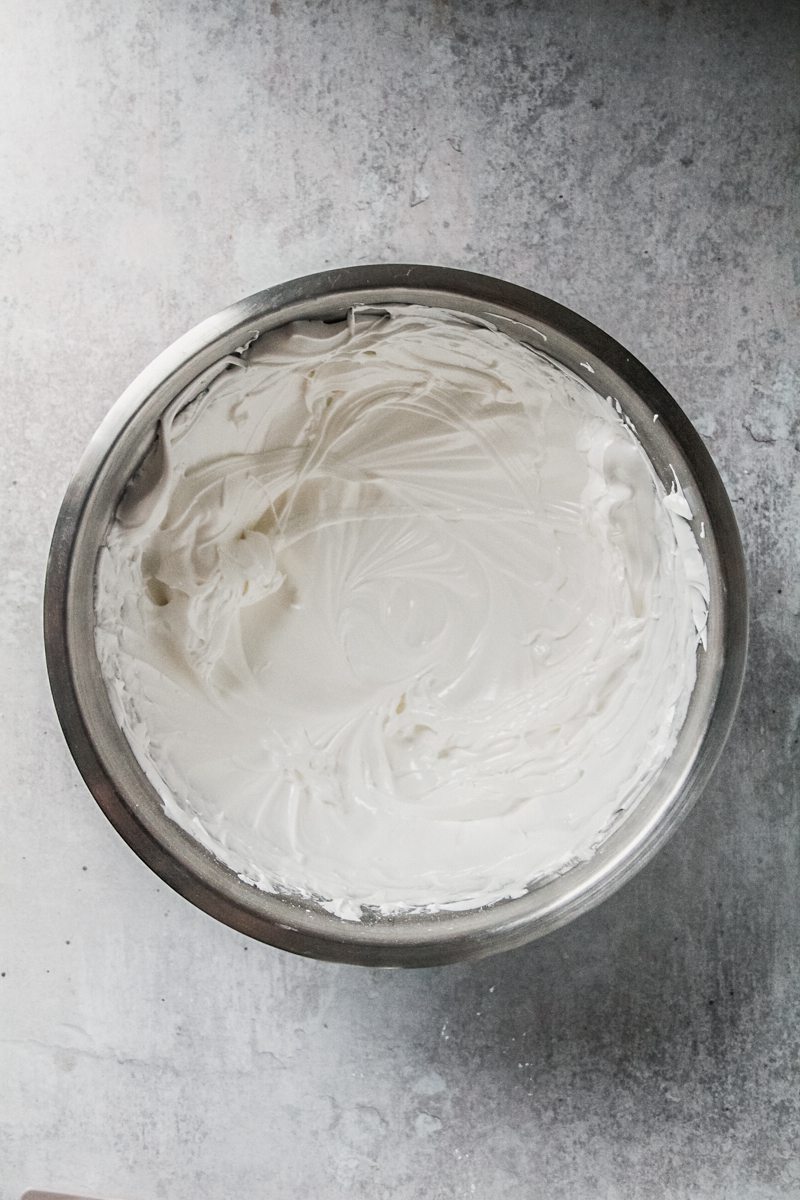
637, 162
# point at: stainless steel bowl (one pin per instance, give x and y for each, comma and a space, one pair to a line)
101, 750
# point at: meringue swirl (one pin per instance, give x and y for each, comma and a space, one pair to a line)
397, 615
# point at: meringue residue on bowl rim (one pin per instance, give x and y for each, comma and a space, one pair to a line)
396, 615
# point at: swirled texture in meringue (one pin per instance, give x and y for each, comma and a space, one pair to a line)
397, 614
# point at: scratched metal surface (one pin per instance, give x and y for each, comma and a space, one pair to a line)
637, 163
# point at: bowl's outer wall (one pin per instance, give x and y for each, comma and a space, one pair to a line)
101, 750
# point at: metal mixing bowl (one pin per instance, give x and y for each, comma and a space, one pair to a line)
101, 750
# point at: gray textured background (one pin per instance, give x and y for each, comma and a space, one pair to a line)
637, 163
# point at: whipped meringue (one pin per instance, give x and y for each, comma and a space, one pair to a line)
397, 615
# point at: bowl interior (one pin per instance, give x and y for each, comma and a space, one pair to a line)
102, 751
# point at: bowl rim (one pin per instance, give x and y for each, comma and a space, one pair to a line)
422, 940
